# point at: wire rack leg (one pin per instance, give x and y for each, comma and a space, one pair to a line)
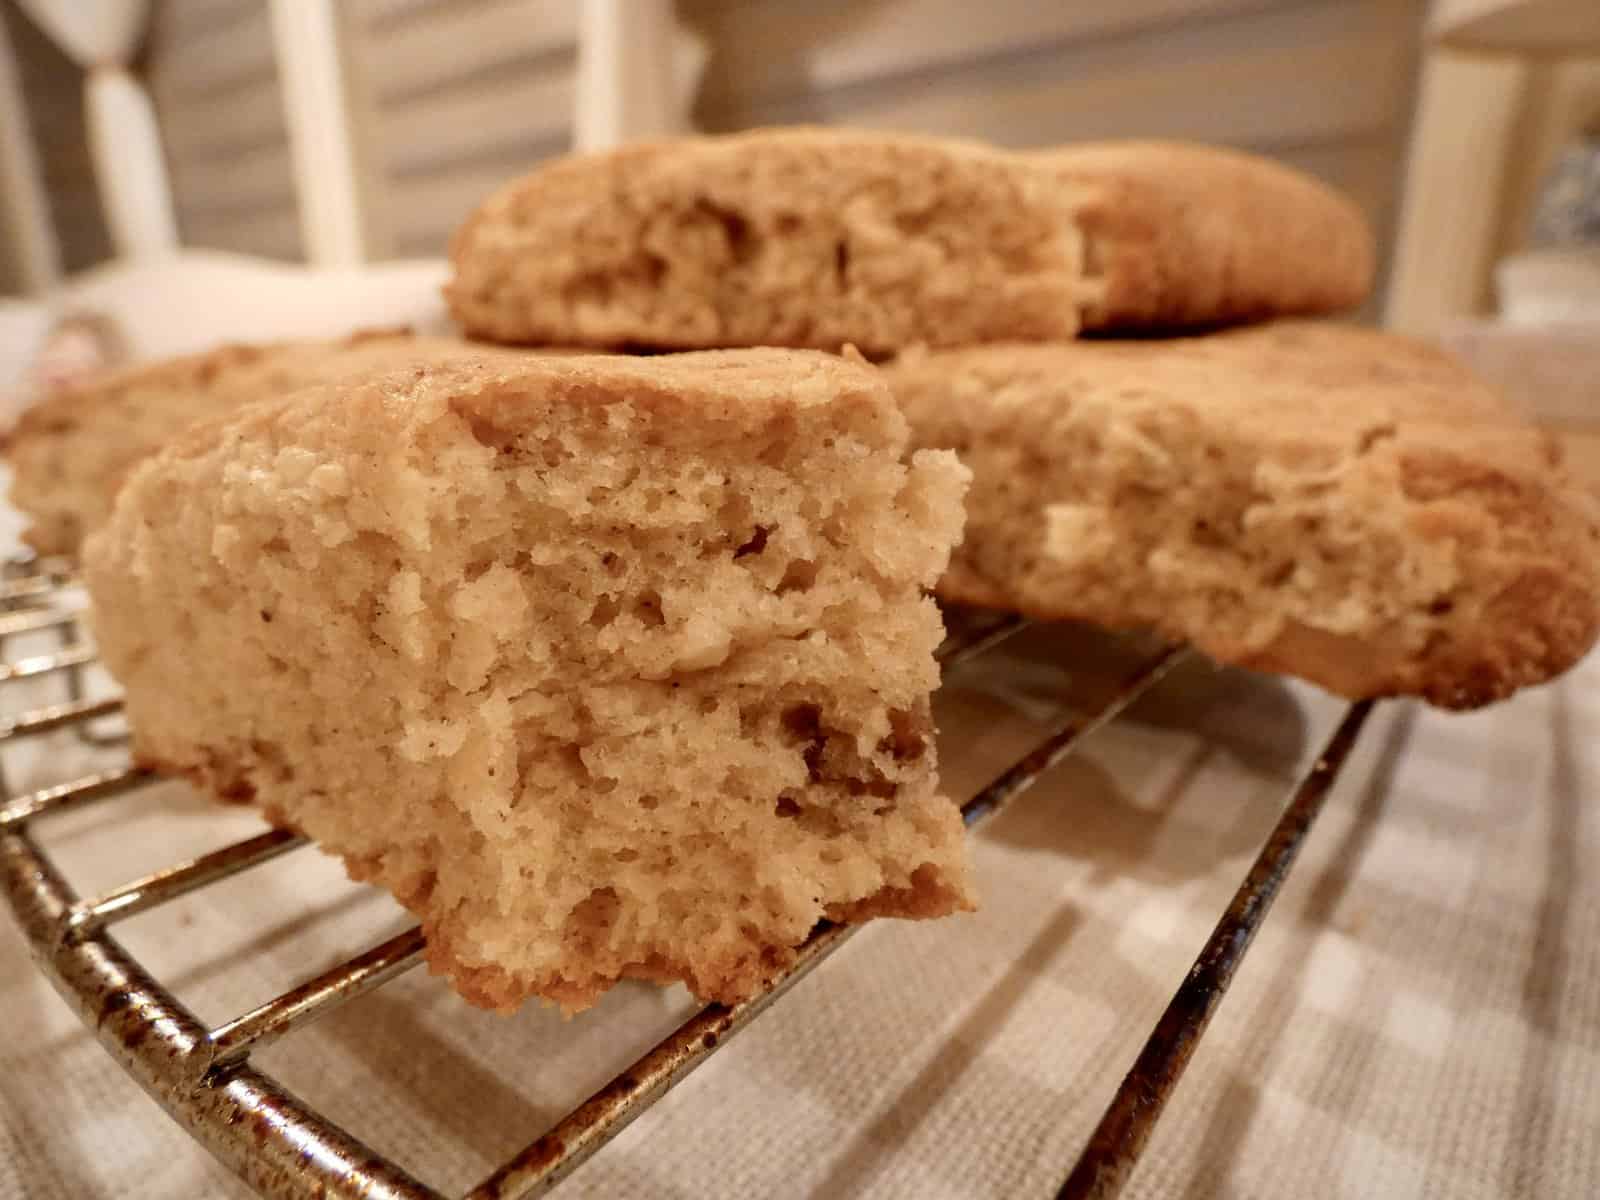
1118, 1140
254, 1126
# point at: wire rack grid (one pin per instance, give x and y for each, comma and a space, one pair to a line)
202, 1075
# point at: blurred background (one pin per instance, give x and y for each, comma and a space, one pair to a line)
1445, 149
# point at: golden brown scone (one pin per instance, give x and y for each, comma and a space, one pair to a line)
605, 667
790, 237
822, 237
1181, 235
70, 453
1320, 500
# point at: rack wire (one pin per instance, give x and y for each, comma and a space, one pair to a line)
203, 1075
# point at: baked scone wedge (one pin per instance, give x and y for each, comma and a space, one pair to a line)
1315, 499
1178, 235
71, 451
605, 667
822, 237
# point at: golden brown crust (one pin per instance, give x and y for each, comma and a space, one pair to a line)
70, 452
1184, 235
1342, 505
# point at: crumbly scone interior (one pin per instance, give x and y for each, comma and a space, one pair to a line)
600, 681
798, 238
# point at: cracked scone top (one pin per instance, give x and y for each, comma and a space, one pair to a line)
1334, 503
605, 667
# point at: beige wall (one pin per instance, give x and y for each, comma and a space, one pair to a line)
1326, 85
458, 95
464, 94
1486, 130
214, 78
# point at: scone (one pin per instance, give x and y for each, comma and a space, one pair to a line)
822, 237
783, 237
1337, 504
1181, 235
70, 452
605, 667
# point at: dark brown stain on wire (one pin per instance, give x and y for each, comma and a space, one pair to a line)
1123, 1131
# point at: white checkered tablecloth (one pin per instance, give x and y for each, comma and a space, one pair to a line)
1420, 1016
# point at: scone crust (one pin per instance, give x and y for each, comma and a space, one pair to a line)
1343, 505
42, 448
1180, 235
70, 453
801, 237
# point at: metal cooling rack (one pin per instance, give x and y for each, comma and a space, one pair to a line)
280, 1145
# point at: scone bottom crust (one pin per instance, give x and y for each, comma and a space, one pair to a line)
605, 668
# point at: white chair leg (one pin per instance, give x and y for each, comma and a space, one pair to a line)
322, 142
1461, 140
125, 147
635, 70
124, 142
24, 205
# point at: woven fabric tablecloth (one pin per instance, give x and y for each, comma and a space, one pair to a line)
1420, 1016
